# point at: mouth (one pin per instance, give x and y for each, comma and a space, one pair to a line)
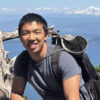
32, 45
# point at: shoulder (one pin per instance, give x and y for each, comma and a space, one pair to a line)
50, 46
68, 65
22, 56
67, 59
62, 56
20, 66
49, 49
65, 56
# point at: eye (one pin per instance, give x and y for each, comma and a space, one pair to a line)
25, 32
38, 32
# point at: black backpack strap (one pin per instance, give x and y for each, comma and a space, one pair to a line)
89, 67
55, 62
88, 70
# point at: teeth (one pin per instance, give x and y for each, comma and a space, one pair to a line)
32, 45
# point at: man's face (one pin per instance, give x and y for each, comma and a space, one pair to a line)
33, 37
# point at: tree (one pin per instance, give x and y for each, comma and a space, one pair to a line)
6, 64
97, 68
25, 97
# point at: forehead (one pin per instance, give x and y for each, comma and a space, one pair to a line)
33, 25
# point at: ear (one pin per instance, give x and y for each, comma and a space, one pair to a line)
46, 36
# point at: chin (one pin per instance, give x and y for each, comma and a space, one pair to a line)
32, 51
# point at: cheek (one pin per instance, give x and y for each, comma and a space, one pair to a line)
24, 41
41, 38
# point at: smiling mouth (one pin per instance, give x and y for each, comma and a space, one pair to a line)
33, 45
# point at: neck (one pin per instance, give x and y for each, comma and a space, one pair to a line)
41, 55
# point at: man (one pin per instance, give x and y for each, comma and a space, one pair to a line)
34, 65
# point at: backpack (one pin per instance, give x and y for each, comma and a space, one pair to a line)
76, 47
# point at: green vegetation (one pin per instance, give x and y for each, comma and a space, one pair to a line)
97, 68
25, 98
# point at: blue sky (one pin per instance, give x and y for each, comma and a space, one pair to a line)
49, 3
21, 6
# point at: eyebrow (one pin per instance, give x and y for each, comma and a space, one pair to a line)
37, 30
33, 30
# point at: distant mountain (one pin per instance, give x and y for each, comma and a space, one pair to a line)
67, 11
48, 10
89, 11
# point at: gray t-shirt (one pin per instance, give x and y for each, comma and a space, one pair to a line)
41, 77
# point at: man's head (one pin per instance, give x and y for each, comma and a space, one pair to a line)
33, 32
30, 17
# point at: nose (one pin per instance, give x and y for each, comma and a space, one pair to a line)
31, 36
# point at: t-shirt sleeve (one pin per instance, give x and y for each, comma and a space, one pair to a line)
20, 66
68, 66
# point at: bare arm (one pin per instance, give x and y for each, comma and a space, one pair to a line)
18, 87
71, 88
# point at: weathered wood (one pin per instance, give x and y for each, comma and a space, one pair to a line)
9, 35
5, 74
5, 66
12, 35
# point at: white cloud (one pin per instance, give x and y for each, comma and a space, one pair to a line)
7, 10
3, 9
28, 9
64, 10
36, 9
13, 10
46, 9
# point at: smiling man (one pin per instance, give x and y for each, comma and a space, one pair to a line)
33, 38
34, 65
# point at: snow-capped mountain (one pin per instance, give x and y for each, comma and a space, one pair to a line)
89, 11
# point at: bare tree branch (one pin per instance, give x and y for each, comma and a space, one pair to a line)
13, 35
9, 35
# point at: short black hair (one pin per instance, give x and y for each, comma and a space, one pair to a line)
30, 17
